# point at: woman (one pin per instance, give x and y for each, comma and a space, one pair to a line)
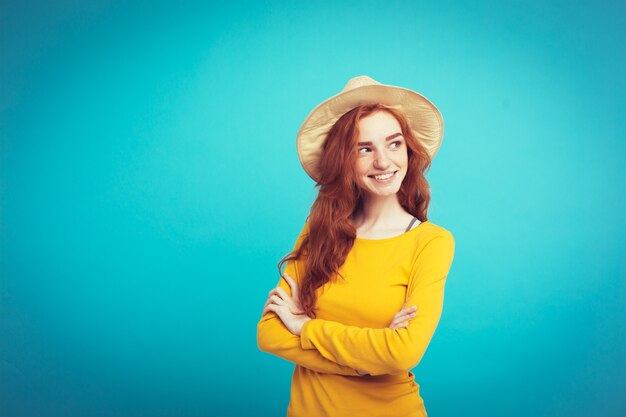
362, 292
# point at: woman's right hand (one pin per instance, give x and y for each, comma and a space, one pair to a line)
287, 307
293, 301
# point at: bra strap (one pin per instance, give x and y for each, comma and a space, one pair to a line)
410, 224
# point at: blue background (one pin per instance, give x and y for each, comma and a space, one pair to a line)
149, 185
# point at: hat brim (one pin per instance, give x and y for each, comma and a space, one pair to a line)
423, 117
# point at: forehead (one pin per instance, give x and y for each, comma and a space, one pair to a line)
378, 126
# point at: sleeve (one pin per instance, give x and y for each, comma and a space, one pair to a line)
273, 337
390, 351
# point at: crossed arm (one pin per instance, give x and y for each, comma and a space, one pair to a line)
273, 337
332, 347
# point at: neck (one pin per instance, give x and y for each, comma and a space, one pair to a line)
380, 212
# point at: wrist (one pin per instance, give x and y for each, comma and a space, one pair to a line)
302, 323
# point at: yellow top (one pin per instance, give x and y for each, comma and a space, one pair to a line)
350, 331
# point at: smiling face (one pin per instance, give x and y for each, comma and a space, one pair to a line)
382, 158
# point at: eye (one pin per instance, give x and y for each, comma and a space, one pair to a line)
363, 150
396, 144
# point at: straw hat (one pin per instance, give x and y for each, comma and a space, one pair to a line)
424, 118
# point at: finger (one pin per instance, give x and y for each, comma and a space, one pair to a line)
274, 291
403, 313
406, 311
270, 308
399, 318
399, 325
293, 304
276, 308
277, 300
269, 296
394, 323
268, 301
403, 317
280, 291
282, 294
293, 285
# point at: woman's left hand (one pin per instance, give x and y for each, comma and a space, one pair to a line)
287, 308
400, 319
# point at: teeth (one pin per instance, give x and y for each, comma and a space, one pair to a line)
383, 177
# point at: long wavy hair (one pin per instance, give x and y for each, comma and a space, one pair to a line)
331, 229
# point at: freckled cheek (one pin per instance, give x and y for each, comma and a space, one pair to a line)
361, 168
404, 162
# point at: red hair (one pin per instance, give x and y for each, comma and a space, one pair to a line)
331, 230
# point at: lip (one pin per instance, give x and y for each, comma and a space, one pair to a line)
383, 173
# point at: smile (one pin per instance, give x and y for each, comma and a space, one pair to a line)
383, 177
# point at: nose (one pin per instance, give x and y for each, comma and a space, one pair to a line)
382, 161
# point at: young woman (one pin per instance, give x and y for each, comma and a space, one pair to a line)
362, 292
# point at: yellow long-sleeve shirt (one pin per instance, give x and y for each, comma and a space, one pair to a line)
350, 331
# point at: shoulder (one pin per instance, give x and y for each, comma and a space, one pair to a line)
433, 230
433, 234
434, 250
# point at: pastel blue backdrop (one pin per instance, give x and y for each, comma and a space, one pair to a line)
149, 185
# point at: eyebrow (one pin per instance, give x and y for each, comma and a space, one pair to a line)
388, 138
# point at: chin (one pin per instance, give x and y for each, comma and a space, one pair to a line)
381, 193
